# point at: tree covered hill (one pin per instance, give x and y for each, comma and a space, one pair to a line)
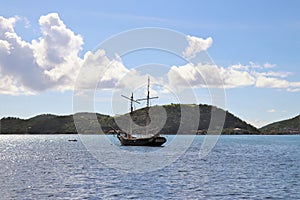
174, 112
89, 124
44, 124
289, 126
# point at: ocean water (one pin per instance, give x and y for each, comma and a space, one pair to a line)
238, 167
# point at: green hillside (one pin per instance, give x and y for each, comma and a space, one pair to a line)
232, 125
86, 122
289, 126
46, 124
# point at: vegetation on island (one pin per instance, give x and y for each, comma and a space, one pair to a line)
167, 117
289, 126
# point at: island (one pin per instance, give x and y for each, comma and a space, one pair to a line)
55, 124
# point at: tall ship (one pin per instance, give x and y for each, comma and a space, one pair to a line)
127, 138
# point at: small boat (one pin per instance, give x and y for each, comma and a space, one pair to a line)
72, 140
127, 139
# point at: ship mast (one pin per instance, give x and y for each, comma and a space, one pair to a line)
148, 93
131, 112
131, 103
148, 106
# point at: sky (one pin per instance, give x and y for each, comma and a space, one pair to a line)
253, 48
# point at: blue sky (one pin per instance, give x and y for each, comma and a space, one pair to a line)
262, 37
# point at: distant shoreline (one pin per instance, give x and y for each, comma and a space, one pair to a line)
162, 134
89, 123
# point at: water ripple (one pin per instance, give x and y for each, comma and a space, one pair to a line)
239, 167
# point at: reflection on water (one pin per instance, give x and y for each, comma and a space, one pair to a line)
51, 167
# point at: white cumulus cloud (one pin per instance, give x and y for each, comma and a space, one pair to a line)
195, 45
17, 61
52, 62
56, 52
206, 75
235, 76
99, 71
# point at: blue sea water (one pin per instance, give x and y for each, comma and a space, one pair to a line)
238, 167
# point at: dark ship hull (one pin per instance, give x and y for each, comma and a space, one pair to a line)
154, 141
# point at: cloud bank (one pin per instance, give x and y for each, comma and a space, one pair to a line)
52, 62
235, 76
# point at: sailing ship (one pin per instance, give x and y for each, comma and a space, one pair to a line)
127, 139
